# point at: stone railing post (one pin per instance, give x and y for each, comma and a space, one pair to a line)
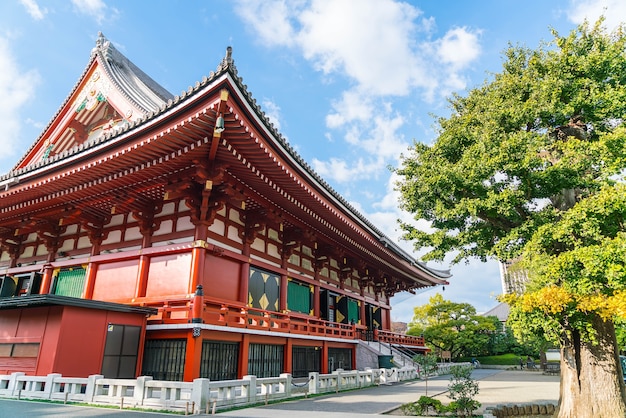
286, 389
49, 384
314, 379
200, 393
250, 391
139, 393
13, 382
90, 389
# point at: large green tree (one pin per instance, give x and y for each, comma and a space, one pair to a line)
452, 326
529, 168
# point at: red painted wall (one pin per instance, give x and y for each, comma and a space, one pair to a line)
116, 281
221, 279
71, 338
169, 275
82, 337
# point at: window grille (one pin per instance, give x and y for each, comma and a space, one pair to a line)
164, 359
219, 360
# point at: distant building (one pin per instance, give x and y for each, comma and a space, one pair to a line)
500, 311
513, 278
182, 237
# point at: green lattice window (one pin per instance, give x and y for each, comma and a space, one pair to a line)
299, 297
70, 282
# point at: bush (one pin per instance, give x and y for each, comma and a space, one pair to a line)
462, 389
424, 406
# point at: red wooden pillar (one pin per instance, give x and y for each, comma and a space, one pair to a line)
144, 267
142, 276
316, 300
244, 353
288, 362
48, 270
324, 357
362, 317
198, 256
387, 319
46, 280
282, 302
244, 275
193, 356
90, 280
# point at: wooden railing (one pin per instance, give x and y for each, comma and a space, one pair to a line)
394, 338
238, 316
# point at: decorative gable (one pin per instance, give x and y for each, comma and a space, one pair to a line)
111, 93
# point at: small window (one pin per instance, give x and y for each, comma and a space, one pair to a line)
25, 350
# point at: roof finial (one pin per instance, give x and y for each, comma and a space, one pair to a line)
227, 61
101, 39
229, 54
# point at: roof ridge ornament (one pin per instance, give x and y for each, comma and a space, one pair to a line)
227, 61
102, 44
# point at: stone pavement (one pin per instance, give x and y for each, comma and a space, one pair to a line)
496, 387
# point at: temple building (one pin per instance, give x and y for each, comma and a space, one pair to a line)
180, 237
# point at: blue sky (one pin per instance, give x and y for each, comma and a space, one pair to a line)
350, 83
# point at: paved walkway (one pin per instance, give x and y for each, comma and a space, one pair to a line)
496, 387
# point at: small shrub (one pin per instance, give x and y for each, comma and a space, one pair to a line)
424, 406
462, 389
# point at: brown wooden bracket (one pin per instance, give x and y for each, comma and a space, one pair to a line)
254, 221
291, 238
145, 217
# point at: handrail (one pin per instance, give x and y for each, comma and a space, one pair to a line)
236, 315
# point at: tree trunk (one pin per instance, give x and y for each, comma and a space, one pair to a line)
591, 378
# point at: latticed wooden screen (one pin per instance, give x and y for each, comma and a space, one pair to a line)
219, 360
299, 297
164, 359
305, 360
70, 282
265, 360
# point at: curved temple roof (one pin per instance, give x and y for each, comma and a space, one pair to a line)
153, 101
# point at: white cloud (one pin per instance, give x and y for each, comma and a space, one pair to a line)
365, 41
33, 9
271, 21
96, 9
613, 10
352, 106
383, 49
458, 47
16, 88
342, 171
272, 111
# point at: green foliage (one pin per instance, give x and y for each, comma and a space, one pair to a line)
526, 168
424, 406
550, 121
510, 359
462, 389
427, 362
454, 327
529, 168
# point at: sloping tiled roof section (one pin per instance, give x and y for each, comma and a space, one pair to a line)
137, 85
501, 311
127, 78
227, 65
